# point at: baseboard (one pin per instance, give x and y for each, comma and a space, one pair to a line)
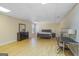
7, 42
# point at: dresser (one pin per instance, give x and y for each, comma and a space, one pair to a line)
22, 36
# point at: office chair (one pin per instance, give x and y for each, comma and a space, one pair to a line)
60, 45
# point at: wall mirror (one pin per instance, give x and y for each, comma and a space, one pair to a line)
22, 27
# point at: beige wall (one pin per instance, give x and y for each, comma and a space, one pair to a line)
72, 21
9, 28
47, 25
67, 21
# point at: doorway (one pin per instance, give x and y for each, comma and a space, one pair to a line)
33, 30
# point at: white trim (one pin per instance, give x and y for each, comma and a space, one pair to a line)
7, 42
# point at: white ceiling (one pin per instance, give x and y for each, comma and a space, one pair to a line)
52, 12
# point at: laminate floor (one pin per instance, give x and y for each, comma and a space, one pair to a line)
33, 47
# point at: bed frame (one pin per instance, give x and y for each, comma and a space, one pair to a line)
45, 36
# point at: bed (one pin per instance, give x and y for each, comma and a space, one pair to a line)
47, 34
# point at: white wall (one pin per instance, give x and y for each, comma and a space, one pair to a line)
72, 21
9, 28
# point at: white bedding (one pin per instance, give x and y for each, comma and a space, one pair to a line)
45, 33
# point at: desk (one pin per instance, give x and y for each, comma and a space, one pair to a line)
67, 40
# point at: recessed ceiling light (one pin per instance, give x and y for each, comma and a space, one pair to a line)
4, 9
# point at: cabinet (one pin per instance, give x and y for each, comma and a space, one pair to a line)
22, 36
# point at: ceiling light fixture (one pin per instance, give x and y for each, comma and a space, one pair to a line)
43, 3
4, 9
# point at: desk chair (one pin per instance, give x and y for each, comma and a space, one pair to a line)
60, 45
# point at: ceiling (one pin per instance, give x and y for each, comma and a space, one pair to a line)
52, 12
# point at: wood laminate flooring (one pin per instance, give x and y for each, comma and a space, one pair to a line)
33, 47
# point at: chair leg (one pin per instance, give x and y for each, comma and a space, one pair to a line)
59, 51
